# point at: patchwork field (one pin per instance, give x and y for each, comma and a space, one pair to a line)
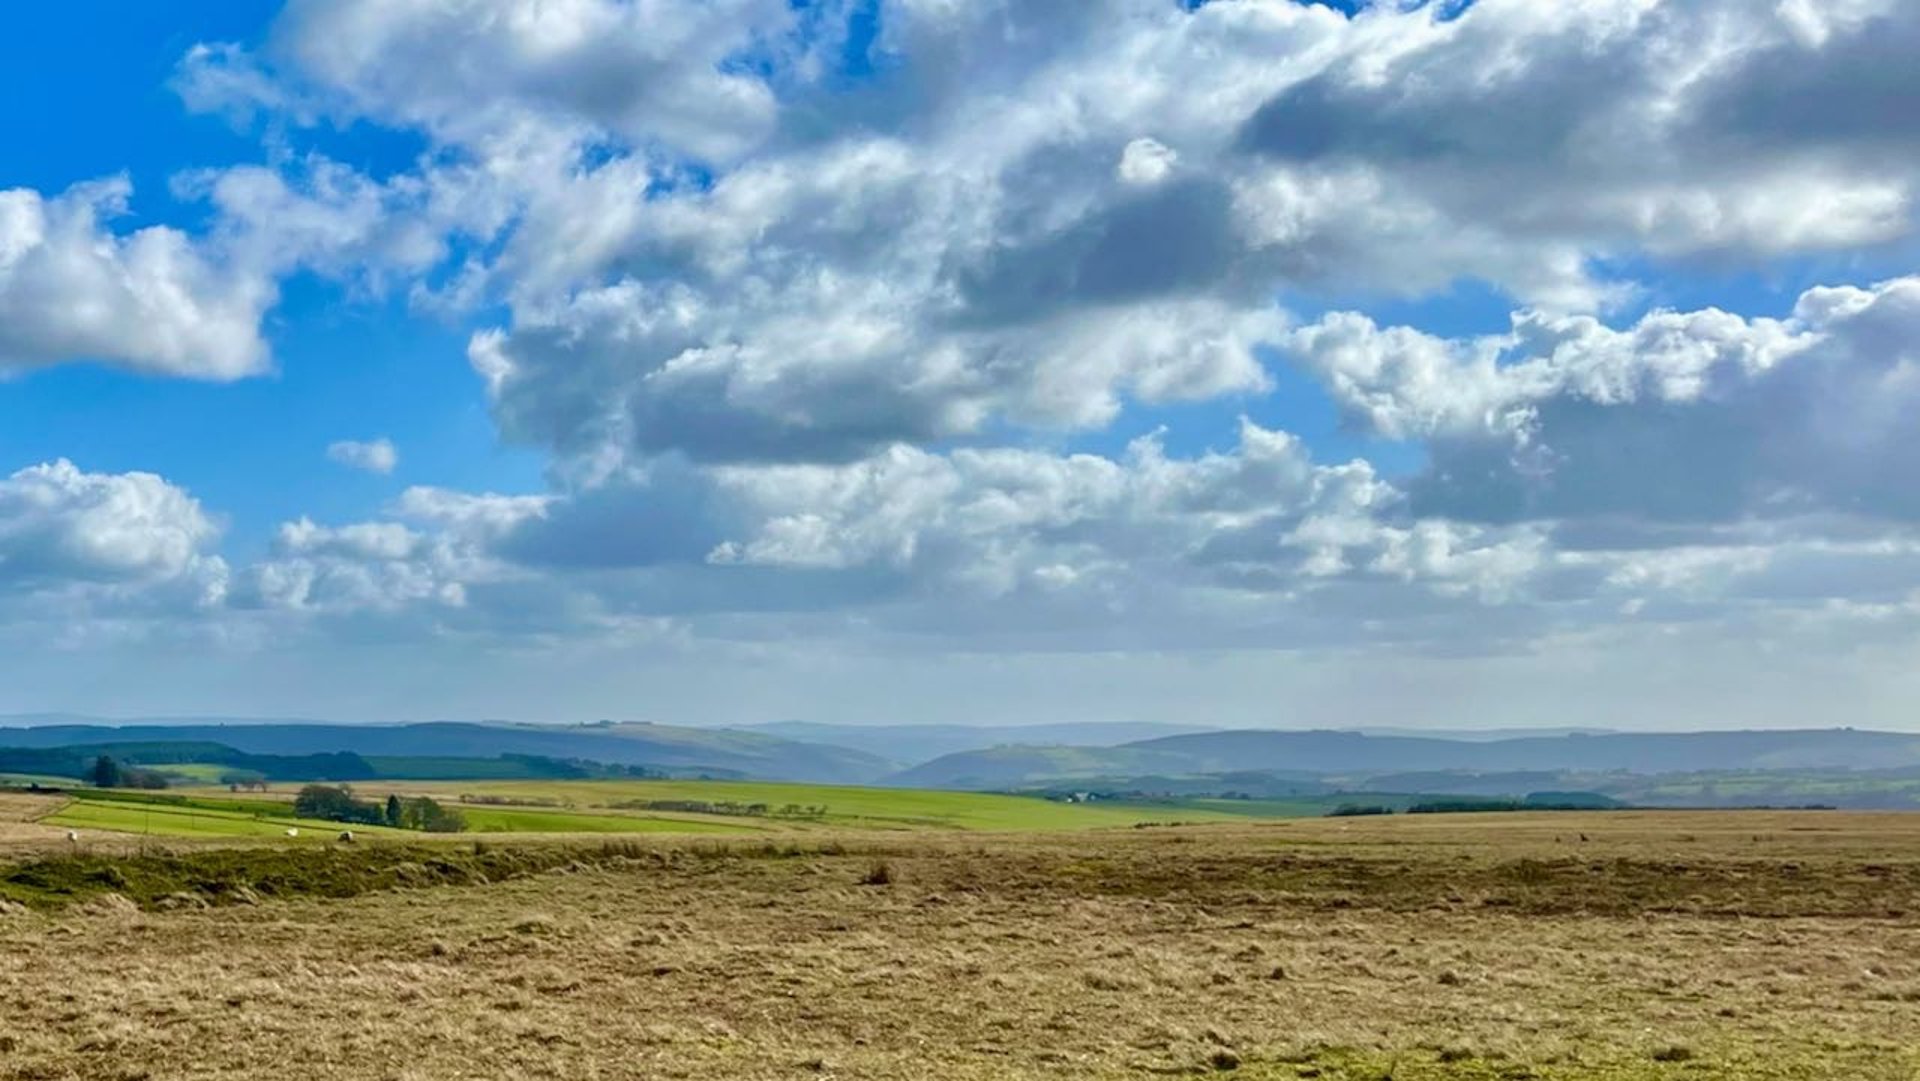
1550, 946
649, 806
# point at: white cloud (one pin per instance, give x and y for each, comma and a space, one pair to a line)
803, 344
96, 543
947, 247
373, 456
1701, 416
154, 299
1146, 161
419, 566
659, 70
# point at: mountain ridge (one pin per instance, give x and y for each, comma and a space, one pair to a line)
1332, 751
628, 743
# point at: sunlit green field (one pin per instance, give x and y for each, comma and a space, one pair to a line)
845, 806
45, 780
619, 806
483, 819
208, 814
194, 772
192, 821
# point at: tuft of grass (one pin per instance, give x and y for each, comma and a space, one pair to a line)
879, 873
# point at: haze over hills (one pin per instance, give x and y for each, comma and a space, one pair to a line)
666, 747
910, 744
1188, 761
1349, 752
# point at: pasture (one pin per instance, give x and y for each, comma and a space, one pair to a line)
1560, 947
614, 806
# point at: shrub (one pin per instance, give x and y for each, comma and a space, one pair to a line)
880, 873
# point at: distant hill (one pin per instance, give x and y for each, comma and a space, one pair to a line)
666, 747
1352, 752
909, 744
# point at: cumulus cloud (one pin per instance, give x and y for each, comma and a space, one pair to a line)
154, 299
803, 335
1702, 416
109, 540
711, 244
373, 456
428, 555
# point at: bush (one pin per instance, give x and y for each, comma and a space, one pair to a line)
879, 874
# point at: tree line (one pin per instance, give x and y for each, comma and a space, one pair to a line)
337, 803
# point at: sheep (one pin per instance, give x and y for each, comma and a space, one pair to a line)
346, 837
73, 836
291, 832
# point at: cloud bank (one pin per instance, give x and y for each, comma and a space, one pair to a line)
841, 322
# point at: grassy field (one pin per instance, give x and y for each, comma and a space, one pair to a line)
194, 772
1556, 947
190, 822
599, 806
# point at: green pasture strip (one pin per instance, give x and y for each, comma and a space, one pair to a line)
190, 822
883, 808
449, 768
201, 815
198, 772
44, 780
200, 800
484, 819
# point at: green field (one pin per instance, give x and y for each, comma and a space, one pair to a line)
846, 806
169, 820
44, 780
482, 819
619, 806
207, 813
622, 807
195, 772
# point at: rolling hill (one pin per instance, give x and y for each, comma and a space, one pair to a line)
693, 751
1353, 752
914, 743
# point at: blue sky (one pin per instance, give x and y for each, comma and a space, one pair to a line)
1250, 353
345, 367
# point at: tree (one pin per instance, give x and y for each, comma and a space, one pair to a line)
106, 772
437, 819
394, 811
334, 803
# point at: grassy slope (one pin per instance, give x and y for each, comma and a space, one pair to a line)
878, 808
211, 814
194, 821
544, 820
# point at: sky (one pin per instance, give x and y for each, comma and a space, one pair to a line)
1238, 362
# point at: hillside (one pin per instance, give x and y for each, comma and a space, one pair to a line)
916, 743
667, 747
1352, 752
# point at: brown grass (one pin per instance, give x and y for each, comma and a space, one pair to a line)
1663, 946
19, 815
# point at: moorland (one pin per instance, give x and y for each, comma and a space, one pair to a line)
1617, 945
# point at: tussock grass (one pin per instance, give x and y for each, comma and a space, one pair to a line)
1255, 952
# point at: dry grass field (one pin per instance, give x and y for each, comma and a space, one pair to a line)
1558, 946
20, 814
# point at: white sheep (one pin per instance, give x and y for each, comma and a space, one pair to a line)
73, 836
291, 832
